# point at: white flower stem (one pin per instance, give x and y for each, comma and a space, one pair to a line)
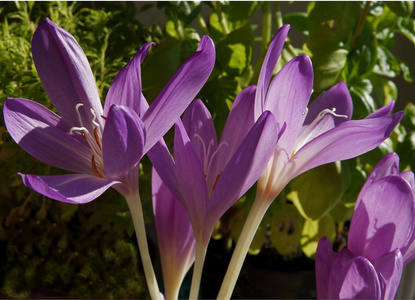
197, 269
134, 203
252, 222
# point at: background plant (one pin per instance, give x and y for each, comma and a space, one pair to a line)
347, 41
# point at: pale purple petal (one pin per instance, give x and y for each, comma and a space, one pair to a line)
65, 73
126, 88
45, 136
179, 92
348, 140
245, 167
383, 111
323, 262
357, 279
69, 188
174, 234
191, 177
384, 219
200, 128
270, 60
288, 97
390, 268
163, 162
235, 129
122, 142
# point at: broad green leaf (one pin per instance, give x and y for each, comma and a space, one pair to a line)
286, 227
234, 52
401, 8
408, 119
407, 28
316, 191
363, 57
387, 65
363, 102
342, 212
406, 150
313, 231
328, 65
352, 170
297, 20
331, 24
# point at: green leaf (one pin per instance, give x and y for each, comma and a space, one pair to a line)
316, 191
401, 8
407, 28
286, 227
234, 52
387, 64
363, 102
297, 20
313, 231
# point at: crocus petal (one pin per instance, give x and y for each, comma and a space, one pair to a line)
126, 87
69, 188
323, 262
163, 162
179, 92
235, 131
388, 165
349, 139
65, 73
270, 60
245, 166
45, 136
357, 279
122, 141
390, 268
200, 128
191, 177
384, 219
288, 97
383, 111
337, 99
174, 234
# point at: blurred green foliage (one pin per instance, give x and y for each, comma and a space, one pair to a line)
89, 250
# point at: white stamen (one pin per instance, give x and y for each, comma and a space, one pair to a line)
310, 131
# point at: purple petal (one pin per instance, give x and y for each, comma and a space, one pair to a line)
122, 142
384, 219
357, 279
337, 98
179, 92
191, 177
323, 262
174, 233
383, 111
390, 267
65, 73
245, 167
348, 140
235, 131
69, 188
200, 128
288, 97
270, 60
45, 136
126, 88
165, 166
388, 165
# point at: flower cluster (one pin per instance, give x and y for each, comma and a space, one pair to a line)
271, 136
380, 242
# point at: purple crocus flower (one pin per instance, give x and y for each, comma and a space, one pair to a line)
207, 177
175, 237
380, 242
315, 135
102, 145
